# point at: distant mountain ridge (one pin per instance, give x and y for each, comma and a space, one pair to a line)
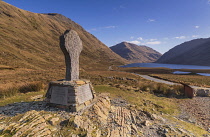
194, 52
135, 53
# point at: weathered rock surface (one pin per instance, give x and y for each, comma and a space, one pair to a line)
32, 123
122, 123
101, 118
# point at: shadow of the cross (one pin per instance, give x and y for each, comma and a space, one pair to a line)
23, 107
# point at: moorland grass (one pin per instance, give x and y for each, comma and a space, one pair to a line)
146, 101
128, 81
196, 80
20, 97
14, 90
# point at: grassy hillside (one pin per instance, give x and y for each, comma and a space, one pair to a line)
31, 40
30, 51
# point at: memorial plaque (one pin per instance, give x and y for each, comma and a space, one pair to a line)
84, 93
71, 91
59, 95
72, 99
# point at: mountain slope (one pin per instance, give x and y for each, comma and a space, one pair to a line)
135, 53
31, 40
194, 52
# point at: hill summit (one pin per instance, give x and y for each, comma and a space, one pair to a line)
135, 53
194, 52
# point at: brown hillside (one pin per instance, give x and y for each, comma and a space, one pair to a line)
31, 40
135, 53
30, 51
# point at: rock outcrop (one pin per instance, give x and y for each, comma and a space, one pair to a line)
102, 117
32, 123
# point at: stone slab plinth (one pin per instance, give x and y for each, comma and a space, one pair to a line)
70, 94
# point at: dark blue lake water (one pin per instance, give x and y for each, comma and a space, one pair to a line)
171, 66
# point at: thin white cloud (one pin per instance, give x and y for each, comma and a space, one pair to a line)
134, 42
153, 43
208, 2
140, 38
197, 27
152, 39
132, 37
141, 41
195, 36
181, 37
101, 28
109, 27
151, 20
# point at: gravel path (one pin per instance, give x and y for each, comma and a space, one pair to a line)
196, 110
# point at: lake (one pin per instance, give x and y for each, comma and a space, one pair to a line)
171, 66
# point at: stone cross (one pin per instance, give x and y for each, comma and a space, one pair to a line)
71, 45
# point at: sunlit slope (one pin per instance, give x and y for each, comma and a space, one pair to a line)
31, 40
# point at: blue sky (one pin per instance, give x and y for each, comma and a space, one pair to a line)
159, 24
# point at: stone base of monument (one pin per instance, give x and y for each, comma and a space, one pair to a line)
73, 95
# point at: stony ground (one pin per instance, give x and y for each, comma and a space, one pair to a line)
196, 110
105, 117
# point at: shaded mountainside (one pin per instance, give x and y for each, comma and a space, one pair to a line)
30, 40
194, 52
135, 53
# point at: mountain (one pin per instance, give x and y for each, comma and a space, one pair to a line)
31, 40
135, 53
194, 52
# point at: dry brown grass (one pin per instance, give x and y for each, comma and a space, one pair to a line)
123, 80
132, 82
24, 88
196, 80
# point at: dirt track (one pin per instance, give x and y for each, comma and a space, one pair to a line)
157, 80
